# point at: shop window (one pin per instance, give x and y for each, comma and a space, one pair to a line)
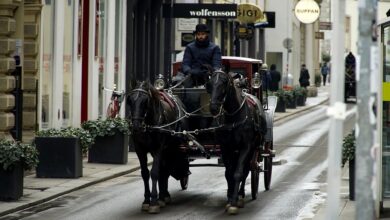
47, 63
67, 62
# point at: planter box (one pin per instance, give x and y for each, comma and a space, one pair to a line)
292, 103
301, 100
281, 106
11, 183
59, 157
352, 180
110, 149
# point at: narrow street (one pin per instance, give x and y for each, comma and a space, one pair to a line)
301, 152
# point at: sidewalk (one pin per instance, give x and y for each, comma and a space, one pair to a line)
40, 190
347, 207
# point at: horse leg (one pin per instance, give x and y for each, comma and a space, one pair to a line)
238, 175
154, 205
164, 196
143, 161
241, 192
227, 158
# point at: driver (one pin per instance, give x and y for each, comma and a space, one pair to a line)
199, 53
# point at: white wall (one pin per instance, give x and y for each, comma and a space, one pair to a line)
352, 10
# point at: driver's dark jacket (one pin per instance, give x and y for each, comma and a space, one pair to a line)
196, 54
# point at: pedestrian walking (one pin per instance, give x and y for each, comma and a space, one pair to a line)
324, 72
275, 78
304, 77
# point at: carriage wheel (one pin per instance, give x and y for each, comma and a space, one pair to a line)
268, 168
254, 183
184, 183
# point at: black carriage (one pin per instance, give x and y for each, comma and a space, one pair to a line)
199, 139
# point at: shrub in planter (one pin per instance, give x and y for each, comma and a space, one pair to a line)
300, 93
291, 99
15, 157
317, 79
348, 154
61, 152
111, 140
281, 105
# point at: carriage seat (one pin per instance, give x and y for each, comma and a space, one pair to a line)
166, 98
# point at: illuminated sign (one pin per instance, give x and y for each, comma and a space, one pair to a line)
307, 11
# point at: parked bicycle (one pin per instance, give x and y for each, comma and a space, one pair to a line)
117, 98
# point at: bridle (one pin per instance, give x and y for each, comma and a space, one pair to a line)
229, 86
143, 91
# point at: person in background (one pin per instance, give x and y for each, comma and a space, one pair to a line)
275, 78
324, 72
304, 77
266, 77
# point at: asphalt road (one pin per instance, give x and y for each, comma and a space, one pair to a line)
300, 144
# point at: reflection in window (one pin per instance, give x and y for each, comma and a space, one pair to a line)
99, 46
47, 55
67, 58
118, 23
386, 54
386, 116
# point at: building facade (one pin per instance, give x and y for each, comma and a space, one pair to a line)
70, 50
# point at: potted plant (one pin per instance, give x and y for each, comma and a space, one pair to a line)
111, 140
61, 152
15, 157
300, 93
291, 99
281, 104
348, 154
317, 79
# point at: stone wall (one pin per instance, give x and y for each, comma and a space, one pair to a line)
19, 35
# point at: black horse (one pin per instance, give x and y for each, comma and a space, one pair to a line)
153, 114
245, 127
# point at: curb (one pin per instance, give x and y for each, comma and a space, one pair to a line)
56, 195
297, 113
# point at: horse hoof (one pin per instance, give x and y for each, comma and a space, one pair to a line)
240, 203
227, 206
145, 207
232, 210
161, 203
154, 209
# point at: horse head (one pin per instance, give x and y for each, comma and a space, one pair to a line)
218, 86
140, 101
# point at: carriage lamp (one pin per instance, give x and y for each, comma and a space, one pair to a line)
256, 81
159, 83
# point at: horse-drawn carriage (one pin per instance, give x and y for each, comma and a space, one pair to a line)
227, 118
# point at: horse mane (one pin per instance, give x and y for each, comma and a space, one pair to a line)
147, 86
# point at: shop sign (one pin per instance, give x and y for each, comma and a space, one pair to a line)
307, 11
319, 35
244, 32
180, 10
248, 13
325, 25
186, 38
187, 24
